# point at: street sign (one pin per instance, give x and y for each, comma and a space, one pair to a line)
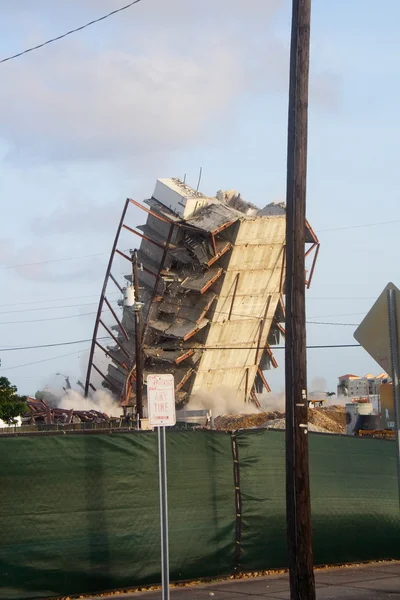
379, 335
161, 400
161, 410
373, 332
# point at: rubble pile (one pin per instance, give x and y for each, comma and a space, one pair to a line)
333, 418
233, 422
324, 420
281, 424
41, 412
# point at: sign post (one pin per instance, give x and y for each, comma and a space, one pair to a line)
379, 335
395, 365
161, 409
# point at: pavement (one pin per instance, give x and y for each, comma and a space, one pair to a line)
375, 581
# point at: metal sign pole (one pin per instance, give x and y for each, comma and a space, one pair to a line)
395, 361
162, 471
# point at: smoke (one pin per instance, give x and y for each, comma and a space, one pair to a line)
338, 401
271, 402
101, 401
222, 401
318, 384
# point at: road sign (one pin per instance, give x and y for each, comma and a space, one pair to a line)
161, 409
373, 332
161, 400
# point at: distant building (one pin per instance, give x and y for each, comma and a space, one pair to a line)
354, 386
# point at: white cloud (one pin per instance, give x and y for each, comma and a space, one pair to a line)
162, 75
154, 79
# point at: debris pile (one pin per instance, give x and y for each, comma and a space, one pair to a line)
233, 422
41, 412
325, 420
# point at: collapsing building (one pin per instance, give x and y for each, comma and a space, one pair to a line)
211, 284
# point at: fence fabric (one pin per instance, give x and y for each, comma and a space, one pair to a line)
79, 513
354, 499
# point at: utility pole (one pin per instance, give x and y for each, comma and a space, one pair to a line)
138, 337
298, 506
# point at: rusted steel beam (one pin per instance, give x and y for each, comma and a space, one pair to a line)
281, 329
116, 318
313, 235
116, 283
112, 385
224, 226
152, 213
213, 244
261, 330
254, 398
272, 357
144, 237
114, 338
281, 300
108, 353
235, 287
224, 250
128, 258
308, 283
213, 280
311, 248
265, 382
187, 354
103, 293
123, 255
184, 380
282, 278
191, 333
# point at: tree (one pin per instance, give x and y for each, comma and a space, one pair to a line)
11, 404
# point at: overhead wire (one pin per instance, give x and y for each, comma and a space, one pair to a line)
53, 300
9, 312
54, 345
243, 347
53, 260
36, 362
70, 32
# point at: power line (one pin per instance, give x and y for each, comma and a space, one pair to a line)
48, 319
15, 348
359, 226
54, 300
244, 347
60, 37
329, 323
55, 260
36, 362
8, 312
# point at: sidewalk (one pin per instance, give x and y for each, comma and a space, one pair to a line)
376, 581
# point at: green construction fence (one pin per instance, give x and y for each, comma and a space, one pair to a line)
79, 512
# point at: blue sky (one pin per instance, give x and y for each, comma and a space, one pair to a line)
160, 90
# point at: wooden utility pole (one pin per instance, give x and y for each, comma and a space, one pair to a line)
138, 338
299, 533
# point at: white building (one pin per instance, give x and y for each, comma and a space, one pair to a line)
354, 386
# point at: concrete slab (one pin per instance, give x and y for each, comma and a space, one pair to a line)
349, 576
377, 581
343, 593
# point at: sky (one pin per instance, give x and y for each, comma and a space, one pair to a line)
160, 90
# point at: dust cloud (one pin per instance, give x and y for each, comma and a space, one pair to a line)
101, 401
222, 401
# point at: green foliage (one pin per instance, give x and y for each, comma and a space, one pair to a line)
11, 404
